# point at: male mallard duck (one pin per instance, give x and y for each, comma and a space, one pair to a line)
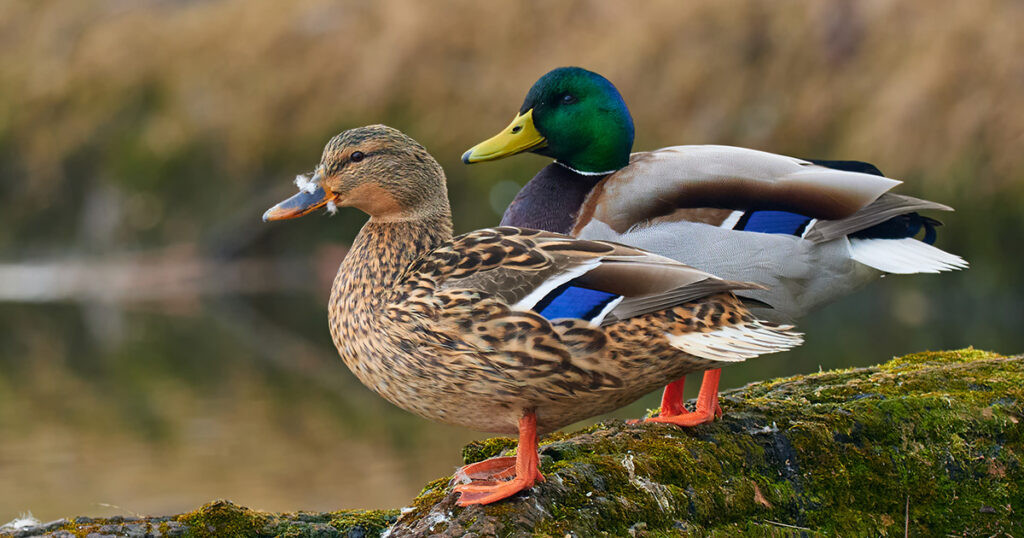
506, 329
810, 231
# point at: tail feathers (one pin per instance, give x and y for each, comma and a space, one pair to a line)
929, 225
904, 256
901, 226
735, 343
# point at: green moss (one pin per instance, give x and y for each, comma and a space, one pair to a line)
430, 495
78, 531
960, 355
368, 522
222, 518
487, 448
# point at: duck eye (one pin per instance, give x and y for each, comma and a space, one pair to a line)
568, 99
356, 156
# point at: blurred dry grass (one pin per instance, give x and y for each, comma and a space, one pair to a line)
171, 97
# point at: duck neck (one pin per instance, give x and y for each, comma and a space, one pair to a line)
551, 201
379, 257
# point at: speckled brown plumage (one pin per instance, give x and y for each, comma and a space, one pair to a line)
410, 331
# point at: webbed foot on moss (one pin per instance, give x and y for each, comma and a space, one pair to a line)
488, 491
499, 478
674, 412
688, 419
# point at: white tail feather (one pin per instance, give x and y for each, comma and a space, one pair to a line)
904, 256
736, 343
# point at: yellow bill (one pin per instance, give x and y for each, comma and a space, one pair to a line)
521, 135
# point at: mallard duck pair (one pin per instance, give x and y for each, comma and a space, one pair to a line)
514, 329
809, 231
507, 329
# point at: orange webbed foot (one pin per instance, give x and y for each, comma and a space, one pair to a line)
673, 411
688, 419
488, 491
495, 479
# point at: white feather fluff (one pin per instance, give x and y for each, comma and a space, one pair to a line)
23, 521
305, 184
904, 256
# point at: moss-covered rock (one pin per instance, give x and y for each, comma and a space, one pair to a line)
221, 518
931, 442
224, 519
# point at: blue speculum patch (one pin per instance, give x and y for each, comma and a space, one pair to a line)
784, 222
773, 222
572, 301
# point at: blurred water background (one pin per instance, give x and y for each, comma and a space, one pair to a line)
160, 346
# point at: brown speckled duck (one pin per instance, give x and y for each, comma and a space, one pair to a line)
506, 329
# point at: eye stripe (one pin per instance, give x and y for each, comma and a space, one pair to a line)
368, 154
338, 166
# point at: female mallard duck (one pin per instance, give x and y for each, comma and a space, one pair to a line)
810, 231
506, 329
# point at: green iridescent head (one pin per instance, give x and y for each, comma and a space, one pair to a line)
573, 115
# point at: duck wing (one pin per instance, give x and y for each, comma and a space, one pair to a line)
560, 277
706, 183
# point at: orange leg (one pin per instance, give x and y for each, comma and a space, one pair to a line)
487, 485
673, 411
672, 399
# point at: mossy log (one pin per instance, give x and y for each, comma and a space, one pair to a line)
929, 444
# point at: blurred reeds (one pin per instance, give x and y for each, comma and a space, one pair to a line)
191, 107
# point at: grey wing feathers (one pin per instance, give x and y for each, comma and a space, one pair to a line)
637, 306
884, 208
653, 283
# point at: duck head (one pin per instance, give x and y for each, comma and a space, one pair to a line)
573, 115
376, 169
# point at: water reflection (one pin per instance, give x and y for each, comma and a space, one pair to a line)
187, 408
241, 395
